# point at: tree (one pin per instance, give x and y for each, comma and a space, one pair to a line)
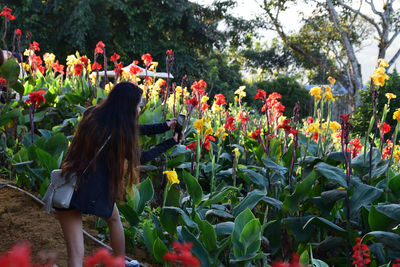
344, 26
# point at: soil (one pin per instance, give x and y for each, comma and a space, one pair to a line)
23, 218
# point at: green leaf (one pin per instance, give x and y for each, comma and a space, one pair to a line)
149, 236
302, 189
146, 194
274, 166
394, 184
300, 233
390, 240
159, 249
256, 178
5, 117
318, 263
363, 195
251, 237
224, 228
249, 202
130, 214
198, 249
193, 187
208, 236
46, 160
217, 197
18, 87
325, 222
240, 222
332, 173
382, 216
188, 221
10, 71
304, 258
169, 220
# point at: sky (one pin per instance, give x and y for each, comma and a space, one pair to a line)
367, 56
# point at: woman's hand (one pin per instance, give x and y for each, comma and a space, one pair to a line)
178, 135
172, 123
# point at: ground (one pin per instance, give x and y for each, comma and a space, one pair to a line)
23, 218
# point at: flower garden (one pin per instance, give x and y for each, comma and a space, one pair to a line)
245, 188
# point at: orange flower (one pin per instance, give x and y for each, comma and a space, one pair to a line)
147, 59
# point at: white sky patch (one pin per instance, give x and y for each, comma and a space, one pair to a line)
291, 18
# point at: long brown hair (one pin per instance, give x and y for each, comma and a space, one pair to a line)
116, 116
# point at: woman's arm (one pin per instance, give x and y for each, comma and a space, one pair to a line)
153, 128
156, 151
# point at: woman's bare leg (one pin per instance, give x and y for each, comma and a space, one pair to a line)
117, 236
71, 224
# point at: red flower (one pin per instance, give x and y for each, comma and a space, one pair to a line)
261, 94
345, 117
103, 255
147, 59
204, 106
182, 255
198, 87
118, 69
275, 96
220, 99
78, 68
7, 13
18, 255
191, 146
3, 82
133, 69
355, 149
310, 120
243, 119
18, 32
193, 101
96, 66
58, 67
360, 254
206, 144
397, 264
294, 132
34, 46
99, 48
386, 127
84, 60
387, 150
229, 123
256, 134
115, 57
36, 98
169, 52
295, 262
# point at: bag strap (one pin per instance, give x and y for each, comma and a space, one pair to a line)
98, 152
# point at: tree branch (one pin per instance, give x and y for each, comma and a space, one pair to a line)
393, 37
371, 3
394, 58
362, 15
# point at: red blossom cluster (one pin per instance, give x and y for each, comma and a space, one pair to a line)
36, 98
206, 144
191, 146
397, 264
78, 68
273, 104
256, 134
147, 59
7, 13
295, 262
169, 52
104, 256
386, 127
34, 46
230, 123
18, 32
220, 99
134, 69
99, 48
360, 254
58, 67
19, 255
387, 150
243, 118
198, 88
193, 101
204, 106
182, 255
355, 148
118, 69
261, 94
114, 58
3, 82
96, 66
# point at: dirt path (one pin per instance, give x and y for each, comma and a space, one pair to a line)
22, 218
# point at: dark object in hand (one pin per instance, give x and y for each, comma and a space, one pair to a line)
179, 124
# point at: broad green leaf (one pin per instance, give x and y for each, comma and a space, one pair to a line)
324, 222
240, 222
363, 195
10, 71
358, 162
302, 189
188, 221
251, 237
159, 249
224, 228
46, 160
300, 233
193, 187
169, 220
217, 196
198, 249
250, 201
332, 173
318, 263
274, 166
256, 178
394, 184
208, 236
146, 194
247, 258
390, 240
130, 214
378, 221
218, 213
18, 87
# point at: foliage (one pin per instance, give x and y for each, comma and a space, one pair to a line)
365, 108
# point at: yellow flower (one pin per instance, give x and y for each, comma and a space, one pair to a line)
281, 119
25, 66
316, 92
28, 52
172, 177
93, 76
329, 96
199, 125
379, 76
71, 60
331, 80
178, 91
340, 188
153, 66
240, 92
209, 131
396, 115
108, 87
49, 58
383, 63
390, 96
236, 98
204, 99
396, 153
313, 128
215, 108
221, 131
334, 126
237, 153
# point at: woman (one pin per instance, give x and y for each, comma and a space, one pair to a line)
105, 155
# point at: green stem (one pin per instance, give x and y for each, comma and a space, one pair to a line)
390, 160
